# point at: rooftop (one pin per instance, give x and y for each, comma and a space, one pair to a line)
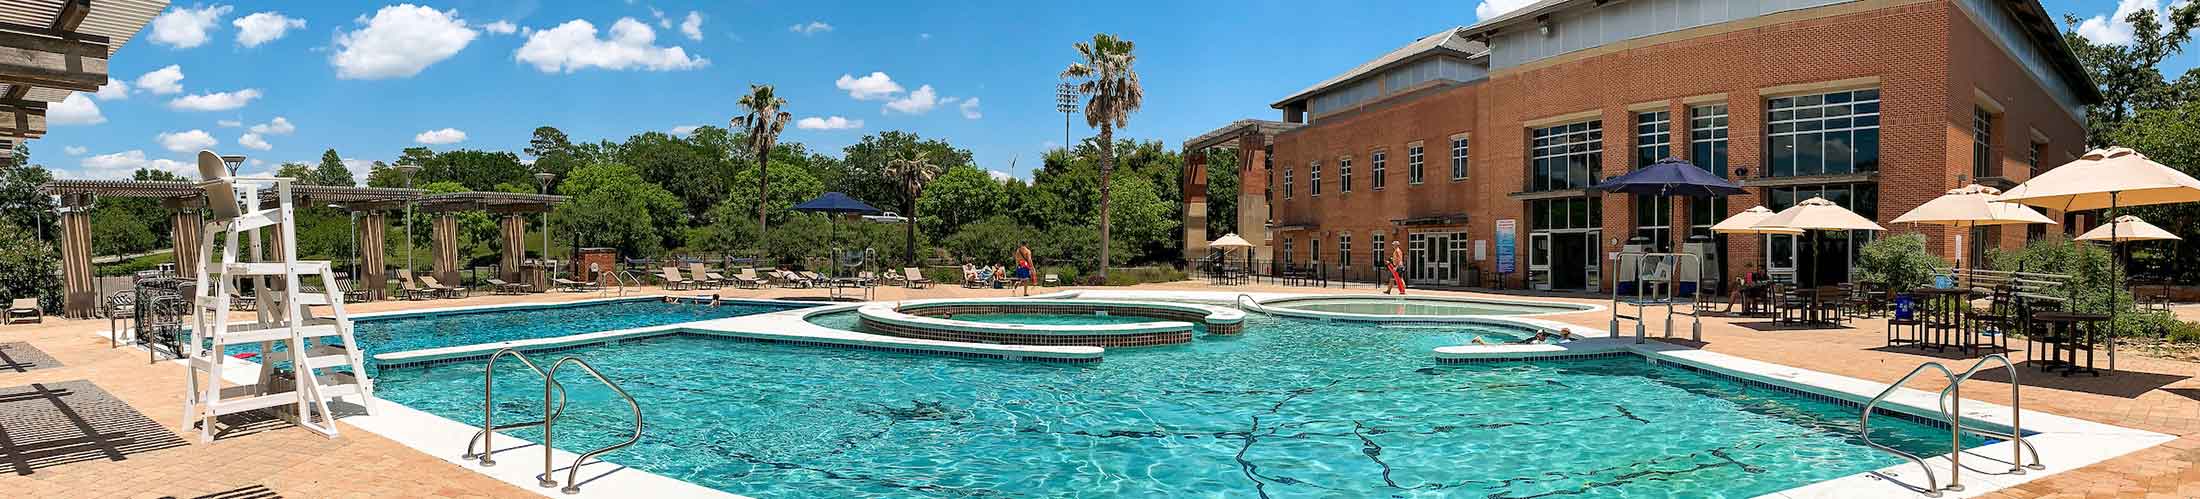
1452, 41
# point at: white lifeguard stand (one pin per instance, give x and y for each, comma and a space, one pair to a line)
282, 313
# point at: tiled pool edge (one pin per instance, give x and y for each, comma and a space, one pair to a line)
2064, 443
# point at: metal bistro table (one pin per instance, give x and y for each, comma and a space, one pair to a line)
2070, 332
1945, 313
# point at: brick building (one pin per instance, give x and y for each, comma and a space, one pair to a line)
1482, 139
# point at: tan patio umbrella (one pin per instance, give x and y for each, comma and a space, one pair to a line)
1818, 214
1972, 206
1746, 223
2108, 178
1230, 240
2128, 228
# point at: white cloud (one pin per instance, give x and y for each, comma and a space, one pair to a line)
811, 28
76, 109
692, 26
969, 108
684, 129
874, 86
114, 90
122, 163
263, 27
399, 42
1493, 8
918, 102
217, 101
629, 44
228, 123
1049, 144
184, 28
439, 137
162, 81
999, 176
827, 123
359, 168
188, 141
662, 21
501, 27
277, 126
255, 141
2113, 29
75, 150
924, 36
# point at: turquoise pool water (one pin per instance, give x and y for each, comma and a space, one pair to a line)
1291, 408
414, 332
1403, 306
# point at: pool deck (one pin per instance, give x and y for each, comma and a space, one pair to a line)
2151, 394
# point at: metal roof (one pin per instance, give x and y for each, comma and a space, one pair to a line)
117, 20
1228, 134
175, 189
1453, 40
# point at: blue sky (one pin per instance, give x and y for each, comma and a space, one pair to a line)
370, 78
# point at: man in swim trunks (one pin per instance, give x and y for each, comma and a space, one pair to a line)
1397, 254
1025, 274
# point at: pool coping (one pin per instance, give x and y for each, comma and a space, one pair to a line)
891, 312
2064, 443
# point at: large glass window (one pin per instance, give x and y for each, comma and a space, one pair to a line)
1459, 157
1833, 133
1568, 156
1413, 163
1566, 213
1707, 137
1982, 144
1287, 250
1314, 179
1654, 221
1835, 252
1344, 174
1704, 213
1376, 168
1653, 137
1314, 250
1344, 250
2032, 156
1382, 252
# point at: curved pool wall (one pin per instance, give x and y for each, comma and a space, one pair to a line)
1297, 306
932, 319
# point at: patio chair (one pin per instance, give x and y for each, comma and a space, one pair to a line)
747, 279
672, 278
983, 280
498, 286
408, 288
914, 279
25, 310
814, 279
866, 279
1051, 280
440, 289
790, 279
892, 278
705, 278
571, 286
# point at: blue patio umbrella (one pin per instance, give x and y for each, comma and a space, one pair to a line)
1670, 177
833, 205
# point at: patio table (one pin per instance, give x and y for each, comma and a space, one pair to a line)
1945, 312
2069, 332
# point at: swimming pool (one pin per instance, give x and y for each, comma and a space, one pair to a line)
1292, 408
1415, 306
398, 333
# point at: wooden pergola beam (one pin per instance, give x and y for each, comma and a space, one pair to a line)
45, 57
72, 15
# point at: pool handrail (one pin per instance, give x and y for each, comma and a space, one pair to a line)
621, 278
1951, 399
1240, 300
488, 428
572, 475
1864, 429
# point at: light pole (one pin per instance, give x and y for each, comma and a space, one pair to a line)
233, 161
352, 252
407, 171
544, 179
1065, 100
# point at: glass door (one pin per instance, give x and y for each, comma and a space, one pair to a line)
1594, 271
1780, 256
1539, 259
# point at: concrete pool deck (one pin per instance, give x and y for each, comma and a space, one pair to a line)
2150, 394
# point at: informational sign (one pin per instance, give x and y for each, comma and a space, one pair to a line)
1507, 231
1481, 249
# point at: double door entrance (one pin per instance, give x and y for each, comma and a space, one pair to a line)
1436, 257
1566, 260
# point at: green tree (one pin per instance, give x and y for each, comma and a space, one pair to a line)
1222, 192
863, 171
963, 195
913, 169
116, 230
2128, 76
1105, 74
763, 122
553, 152
331, 172
2171, 137
990, 240
298, 171
687, 170
21, 203
612, 206
29, 267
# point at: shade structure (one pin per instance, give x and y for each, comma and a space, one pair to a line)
2128, 228
1972, 205
1670, 177
2106, 178
1228, 241
1818, 214
1746, 223
835, 204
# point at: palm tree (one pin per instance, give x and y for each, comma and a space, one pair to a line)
1105, 74
914, 169
763, 123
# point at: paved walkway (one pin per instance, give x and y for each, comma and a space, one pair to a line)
2152, 394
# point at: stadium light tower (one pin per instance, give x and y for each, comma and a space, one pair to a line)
1065, 100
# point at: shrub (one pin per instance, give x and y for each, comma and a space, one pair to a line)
2092, 287
28, 268
1899, 261
1140, 275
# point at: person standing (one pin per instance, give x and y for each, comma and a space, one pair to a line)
1397, 254
1025, 274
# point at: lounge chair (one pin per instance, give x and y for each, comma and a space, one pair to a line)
704, 277
1051, 280
572, 286
498, 286
914, 279
747, 279
984, 279
672, 278
867, 278
814, 279
440, 289
25, 310
892, 278
789, 278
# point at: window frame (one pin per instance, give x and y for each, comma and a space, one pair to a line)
1653, 136
1982, 143
1807, 118
1709, 137
1288, 184
1344, 174
1377, 168
1416, 161
1462, 146
1558, 145
1314, 178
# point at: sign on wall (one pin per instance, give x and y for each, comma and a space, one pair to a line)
1506, 231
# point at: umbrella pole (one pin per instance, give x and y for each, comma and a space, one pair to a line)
2116, 283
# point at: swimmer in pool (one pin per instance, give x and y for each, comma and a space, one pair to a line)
1540, 337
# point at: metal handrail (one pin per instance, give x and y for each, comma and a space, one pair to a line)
622, 277
1240, 300
1951, 402
572, 476
1864, 423
489, 429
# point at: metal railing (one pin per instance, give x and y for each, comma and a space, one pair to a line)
1950, 401
550, 415
621, 278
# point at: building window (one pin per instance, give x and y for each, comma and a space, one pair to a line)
1653, 137
2032, 156
1824, 134
1707, 137
1344, 174
1314, 179
1314, 250
1286, 250
1566, 213
1375, 161
1568, 156
1703, 213
1459, 157
1287, 183
1654, 221
1382, 252
1413, 163
1982, 144
1344, 250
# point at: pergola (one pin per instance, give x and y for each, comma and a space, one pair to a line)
371, 204
50, 49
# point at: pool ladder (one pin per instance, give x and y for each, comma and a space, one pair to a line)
550, 414
1951, 407
623, 277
